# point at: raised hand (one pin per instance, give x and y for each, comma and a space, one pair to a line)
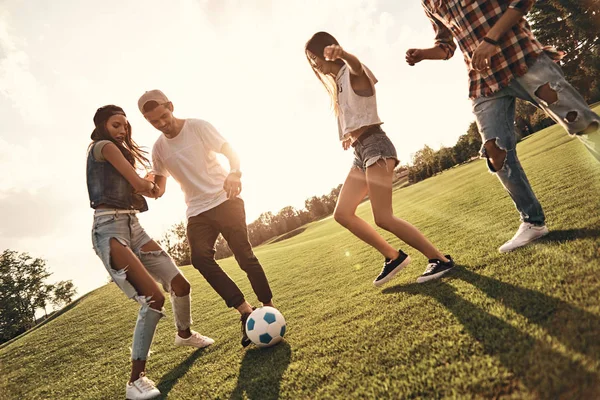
333, 52
414, 56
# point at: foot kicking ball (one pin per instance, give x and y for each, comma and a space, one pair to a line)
265, 327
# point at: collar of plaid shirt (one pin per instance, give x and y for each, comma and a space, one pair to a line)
468, 21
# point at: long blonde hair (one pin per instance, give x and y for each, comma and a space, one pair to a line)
316, 45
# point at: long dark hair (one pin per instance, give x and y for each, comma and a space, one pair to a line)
316, 45
129, 148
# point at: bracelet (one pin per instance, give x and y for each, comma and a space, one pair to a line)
490, 41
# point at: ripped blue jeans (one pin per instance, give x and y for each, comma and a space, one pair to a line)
495, 116
126, 229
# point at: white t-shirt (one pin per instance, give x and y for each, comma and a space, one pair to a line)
191, 158
355, 110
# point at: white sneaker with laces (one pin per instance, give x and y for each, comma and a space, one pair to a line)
141, 389
526, 234
196, 340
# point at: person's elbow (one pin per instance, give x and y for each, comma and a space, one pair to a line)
229, 152
447, 47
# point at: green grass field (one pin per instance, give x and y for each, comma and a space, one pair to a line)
523, 325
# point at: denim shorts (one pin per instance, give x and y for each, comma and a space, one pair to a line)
373, 145
127, 230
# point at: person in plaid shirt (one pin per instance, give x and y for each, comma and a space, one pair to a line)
505, 62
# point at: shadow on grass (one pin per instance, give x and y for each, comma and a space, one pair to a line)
261, 372
168, 381
535, 363
570, 234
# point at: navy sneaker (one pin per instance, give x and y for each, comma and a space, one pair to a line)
391, 268
245, 340
436, 269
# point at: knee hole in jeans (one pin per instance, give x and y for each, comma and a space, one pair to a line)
571, 116
547, 94
495, 154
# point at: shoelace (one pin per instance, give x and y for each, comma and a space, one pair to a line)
145, 383
430, 267
386, 265
200, 337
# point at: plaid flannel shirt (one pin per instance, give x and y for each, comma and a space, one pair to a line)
469, 21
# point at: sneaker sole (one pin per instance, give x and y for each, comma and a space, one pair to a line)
393, 273
422, 279
524, 244
191, 345
151, 397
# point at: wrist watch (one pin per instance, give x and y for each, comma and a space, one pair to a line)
236, 172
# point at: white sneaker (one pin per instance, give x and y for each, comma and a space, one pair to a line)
526, 234
196, 340
141, 389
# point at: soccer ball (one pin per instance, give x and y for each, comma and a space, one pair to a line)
265, 327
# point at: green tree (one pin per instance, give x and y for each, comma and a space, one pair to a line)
445, 158
314, 205
63, 293
222, 249
468, 145
523, 121
175, 243
572, 26
22, 291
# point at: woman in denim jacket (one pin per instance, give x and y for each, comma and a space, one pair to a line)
135, 262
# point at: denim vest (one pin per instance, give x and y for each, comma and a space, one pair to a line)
107, 186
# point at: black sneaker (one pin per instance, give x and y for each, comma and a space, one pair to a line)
245, 340
436, 269
391, 268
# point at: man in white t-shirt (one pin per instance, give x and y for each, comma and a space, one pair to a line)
187, 151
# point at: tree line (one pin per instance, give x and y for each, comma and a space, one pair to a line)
23, 291
267, 226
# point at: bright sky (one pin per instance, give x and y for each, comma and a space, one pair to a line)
238, 64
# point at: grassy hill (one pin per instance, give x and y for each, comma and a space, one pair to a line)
519, 325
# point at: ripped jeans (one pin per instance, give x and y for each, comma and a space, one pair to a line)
495, 116
125, 228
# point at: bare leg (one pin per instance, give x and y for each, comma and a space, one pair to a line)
379, 181
352, 193
140, 279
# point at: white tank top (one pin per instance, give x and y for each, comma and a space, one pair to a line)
354, 110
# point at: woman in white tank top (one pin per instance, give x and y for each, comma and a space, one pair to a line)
351, 86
